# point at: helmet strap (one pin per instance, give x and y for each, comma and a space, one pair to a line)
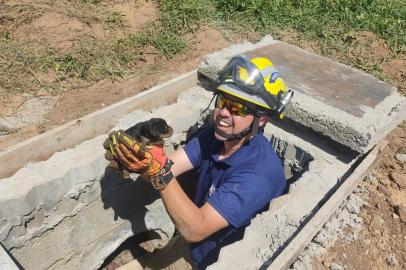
211, 100
255, 126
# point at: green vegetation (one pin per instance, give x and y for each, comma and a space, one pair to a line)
92, 60
167, 43
332, 26
327, 20
177, 18
181, 16
14, 65
114, 18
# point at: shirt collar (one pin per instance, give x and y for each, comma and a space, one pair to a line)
237, 156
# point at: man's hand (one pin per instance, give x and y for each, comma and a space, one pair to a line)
110, 154
149, 161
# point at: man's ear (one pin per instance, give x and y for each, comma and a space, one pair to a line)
263, 120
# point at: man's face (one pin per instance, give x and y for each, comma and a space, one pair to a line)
227, 118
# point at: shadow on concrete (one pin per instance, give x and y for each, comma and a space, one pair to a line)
128, 199
324, 143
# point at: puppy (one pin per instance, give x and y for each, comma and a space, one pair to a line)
151, 132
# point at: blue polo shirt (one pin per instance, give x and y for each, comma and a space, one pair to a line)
238, 187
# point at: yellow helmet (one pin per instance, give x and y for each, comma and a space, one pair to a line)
255, 81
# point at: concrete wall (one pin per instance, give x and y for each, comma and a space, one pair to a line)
71, 212
268, 232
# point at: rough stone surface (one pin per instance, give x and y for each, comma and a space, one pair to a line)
401, 211
72, 198
398, 178
345, 216
32, 111
391, 260
342, 103
401, 157
335, 266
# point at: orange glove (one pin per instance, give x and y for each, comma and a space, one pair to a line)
111, 155
149, 161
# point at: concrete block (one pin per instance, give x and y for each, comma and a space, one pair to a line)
71, 212
271, 229
347, 105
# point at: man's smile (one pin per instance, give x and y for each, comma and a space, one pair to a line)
223, 123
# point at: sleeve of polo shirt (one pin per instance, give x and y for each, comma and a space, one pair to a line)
239, 198
192, 150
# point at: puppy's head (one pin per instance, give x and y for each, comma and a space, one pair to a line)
156, 129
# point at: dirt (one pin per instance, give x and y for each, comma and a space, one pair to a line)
56, 29
381, 244
377, 57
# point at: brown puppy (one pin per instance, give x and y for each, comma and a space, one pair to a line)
151, 132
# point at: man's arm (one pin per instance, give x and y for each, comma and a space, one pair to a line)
195, 224
181, 162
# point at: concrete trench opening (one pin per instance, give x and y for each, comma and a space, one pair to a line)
67, 205
295, 162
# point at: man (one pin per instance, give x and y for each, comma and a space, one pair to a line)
238, 171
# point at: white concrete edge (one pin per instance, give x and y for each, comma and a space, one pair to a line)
6, 263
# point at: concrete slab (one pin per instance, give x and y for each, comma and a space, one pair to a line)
345, 104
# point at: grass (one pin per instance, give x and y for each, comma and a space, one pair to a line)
15, 64
322, 19
114, 18
182, 16
332, 24
166, 43
92, 60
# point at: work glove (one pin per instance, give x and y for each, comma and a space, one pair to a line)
149, 161
110, 156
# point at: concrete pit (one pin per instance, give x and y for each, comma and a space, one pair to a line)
69, 211
295, 161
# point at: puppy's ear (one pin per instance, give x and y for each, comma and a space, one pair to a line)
165, 130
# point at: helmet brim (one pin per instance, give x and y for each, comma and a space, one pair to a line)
233, 90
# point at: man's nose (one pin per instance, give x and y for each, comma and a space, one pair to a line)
225, 111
